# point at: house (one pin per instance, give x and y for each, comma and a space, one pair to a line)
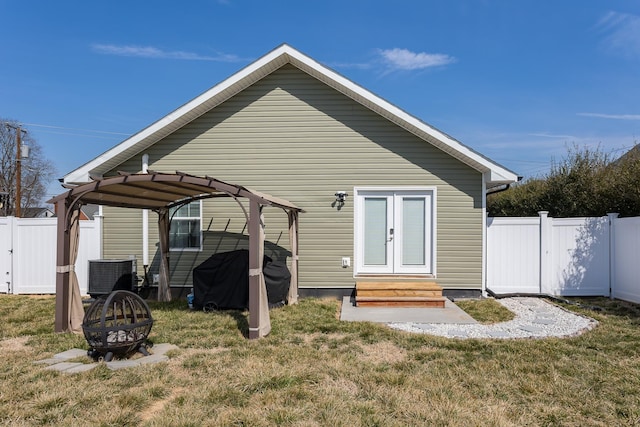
384, 194
37, 212
88, 212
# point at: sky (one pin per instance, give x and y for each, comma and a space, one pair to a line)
518, 81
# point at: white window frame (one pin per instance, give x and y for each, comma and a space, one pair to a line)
175, 218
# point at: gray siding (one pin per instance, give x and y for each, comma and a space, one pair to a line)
293, 137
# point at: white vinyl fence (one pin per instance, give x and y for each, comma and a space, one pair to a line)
625, 266
558, 256
564, 256
28, 254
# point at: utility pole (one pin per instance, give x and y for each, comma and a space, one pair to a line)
18, 202
18, 173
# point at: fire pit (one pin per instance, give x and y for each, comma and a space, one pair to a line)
117, 324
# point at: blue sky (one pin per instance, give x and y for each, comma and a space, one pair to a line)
517, 81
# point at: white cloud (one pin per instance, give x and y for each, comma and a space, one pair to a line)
622, 33
612, 116
403, 59
156, 53
356, 65
551, 135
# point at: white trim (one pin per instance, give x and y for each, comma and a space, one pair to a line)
257, 70
145, 219
484, 238
434, 233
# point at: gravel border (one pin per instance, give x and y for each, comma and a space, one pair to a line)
534, 318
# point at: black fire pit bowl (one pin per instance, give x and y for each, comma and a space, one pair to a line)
117, 324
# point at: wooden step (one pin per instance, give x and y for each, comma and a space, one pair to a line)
434, 302
397, 285
398, 292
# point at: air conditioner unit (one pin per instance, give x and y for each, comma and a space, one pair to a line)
107, 275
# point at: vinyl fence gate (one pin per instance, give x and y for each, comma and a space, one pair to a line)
28, 254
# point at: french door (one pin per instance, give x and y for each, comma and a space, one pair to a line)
394, 231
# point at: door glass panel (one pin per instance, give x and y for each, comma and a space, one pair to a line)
375, 231
413, 237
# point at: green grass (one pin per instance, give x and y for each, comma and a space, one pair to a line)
315, 370
486, 311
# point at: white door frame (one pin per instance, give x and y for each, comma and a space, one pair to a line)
394, 215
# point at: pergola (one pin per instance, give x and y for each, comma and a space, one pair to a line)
159, 192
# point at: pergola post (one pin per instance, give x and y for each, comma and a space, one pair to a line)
164, 289
292, 297
69, 310
63, 295
259, 321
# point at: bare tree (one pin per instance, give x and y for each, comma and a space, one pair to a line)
37, 171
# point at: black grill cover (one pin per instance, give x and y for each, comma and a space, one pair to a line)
222, 281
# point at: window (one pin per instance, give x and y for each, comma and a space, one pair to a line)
185, 233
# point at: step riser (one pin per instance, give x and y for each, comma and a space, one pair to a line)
430, 304
398, 293
430, 286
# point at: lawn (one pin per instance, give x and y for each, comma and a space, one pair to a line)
315, 370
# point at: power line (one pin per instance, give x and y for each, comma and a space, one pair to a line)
77, 129
111, 138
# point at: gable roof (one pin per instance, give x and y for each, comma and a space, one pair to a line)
494, 173
632, 154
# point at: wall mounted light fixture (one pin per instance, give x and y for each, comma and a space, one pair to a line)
341, 196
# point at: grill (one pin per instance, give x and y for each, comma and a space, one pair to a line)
117, 324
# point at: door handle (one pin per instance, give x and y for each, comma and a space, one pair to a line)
390, 235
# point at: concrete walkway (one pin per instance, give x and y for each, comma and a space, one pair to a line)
450, 314
61, 361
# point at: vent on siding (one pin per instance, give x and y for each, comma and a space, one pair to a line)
107, 275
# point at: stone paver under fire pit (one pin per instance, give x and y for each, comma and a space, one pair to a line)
60, 362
